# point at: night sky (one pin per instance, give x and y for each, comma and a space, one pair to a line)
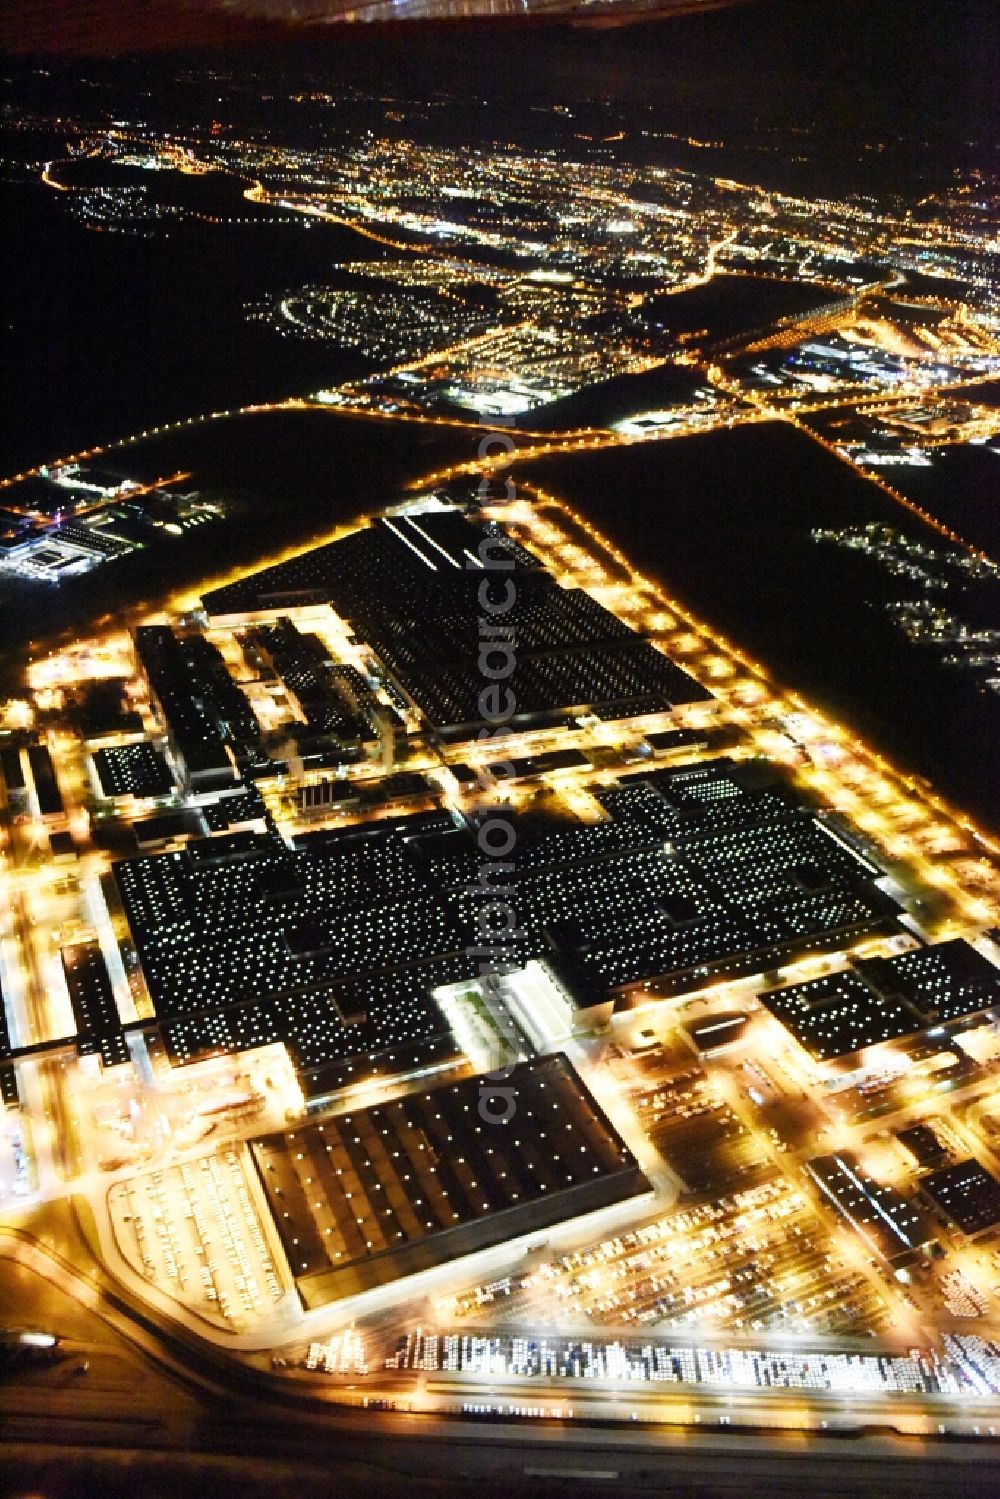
924, 67
852, 65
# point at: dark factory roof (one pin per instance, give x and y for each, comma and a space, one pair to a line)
367, 1196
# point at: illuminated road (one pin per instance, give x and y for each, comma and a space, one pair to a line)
293, 1420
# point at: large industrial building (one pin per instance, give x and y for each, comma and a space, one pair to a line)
410, 589
337, 944
366, 1197
887, 999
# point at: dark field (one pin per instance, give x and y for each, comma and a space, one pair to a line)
730, 305
724, 522
283, 478
107, 334
962, 488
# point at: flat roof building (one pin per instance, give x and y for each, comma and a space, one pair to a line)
333, 947
966, 1194
98, 1025
410, 587
888, 1223
923, 1144
364, 1198
243, 940
887, 999
132, 771
43, 776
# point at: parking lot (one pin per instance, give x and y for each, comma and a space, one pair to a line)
690, 1122
195, 1231
759, 1260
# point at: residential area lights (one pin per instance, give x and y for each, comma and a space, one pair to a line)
562, 220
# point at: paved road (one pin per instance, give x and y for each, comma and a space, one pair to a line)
77, 1426
450, 1457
